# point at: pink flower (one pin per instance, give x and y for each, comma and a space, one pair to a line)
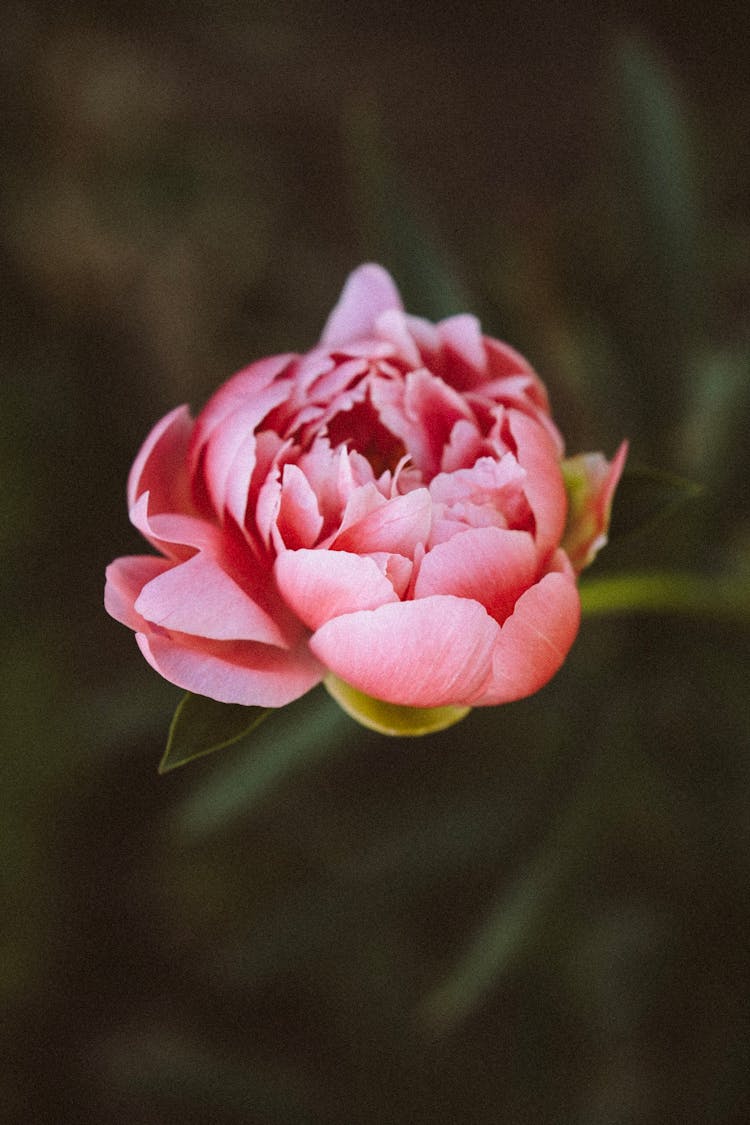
389, 507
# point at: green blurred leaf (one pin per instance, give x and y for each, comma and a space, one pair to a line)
515, 920
392, 224
308, 730
660, 173
645, 496
202, 725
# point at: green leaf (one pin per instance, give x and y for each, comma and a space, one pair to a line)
309, 730
645, 496
202, 725
659, 160
391, 221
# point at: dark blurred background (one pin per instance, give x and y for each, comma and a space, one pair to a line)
540, 915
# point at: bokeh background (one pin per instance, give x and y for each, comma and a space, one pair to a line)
542, 914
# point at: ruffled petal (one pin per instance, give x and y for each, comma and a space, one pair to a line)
199, 598
298, 521
434, 652
368, 292
242, 389
319, 585
396, 526
230, 451
177, 536
126, 577
544, 486
535, 639
234, 672
465, 363
489, 564
161, 465
421, 412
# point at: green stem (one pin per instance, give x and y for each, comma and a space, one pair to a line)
696, 595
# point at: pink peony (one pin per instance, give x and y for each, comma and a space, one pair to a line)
389, 508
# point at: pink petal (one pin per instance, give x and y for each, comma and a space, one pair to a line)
465, 364
298, 521
429, 653
544, 487
462, 448
489, 564
422, 413
393, 326
534, 641
368, 292
126, 578
233, 672
397, 569
161, 465
230, 451
505, 361
242, 389
396, 526
199, 598
319, 585
175, 535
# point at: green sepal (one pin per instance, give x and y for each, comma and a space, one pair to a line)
391, 718
201, 725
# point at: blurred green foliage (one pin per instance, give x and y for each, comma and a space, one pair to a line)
539, 915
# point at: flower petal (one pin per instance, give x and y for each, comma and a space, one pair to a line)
126, 577
396, 526
434, 652
161, 465
298, 521
237, 392
489, 564
534, 641
175, 535
544, 486
234, 672
319, 585
368, 292
199, 598
465, 362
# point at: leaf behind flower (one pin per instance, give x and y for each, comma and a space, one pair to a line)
645, 496
200, 726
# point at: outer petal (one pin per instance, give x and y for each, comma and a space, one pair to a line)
489, 564
534, 641
126, 578
544, 485
319, 585
230, 450
242, 388
172, 533
368, 292
161, 465
429, 653
253, 675
199, 598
